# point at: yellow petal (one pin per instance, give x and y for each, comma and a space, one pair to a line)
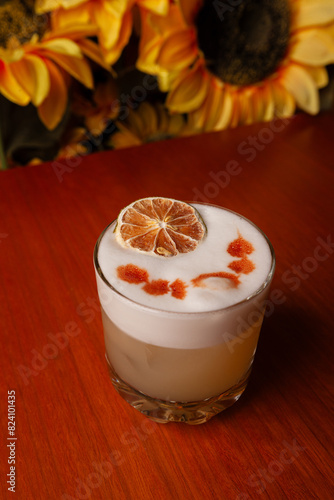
270, 104
49, 5
33, 75
178, 51
224, 116
301, 86
245, 108
258, 105
154, 31
319, 75
162, 116
189, 90
109, 25
313, 12
284, 103
62, 46
241, 112
42, 6
114, 7
134, 123
97, 123
175, 126
124, 139
53, 107
215, 111
72, 32
111, 55
312, 47
329, 29
196, 120
10, 88
149, 44
158, 6
149, 118
149, 48
235, 115
215, 99
165, 80
62, 18
78, 68
165, 25
262, 102
146, 61
93, 51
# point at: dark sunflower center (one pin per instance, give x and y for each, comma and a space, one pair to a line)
18, 20
245, 43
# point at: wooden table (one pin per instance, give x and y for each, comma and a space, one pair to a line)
75, 437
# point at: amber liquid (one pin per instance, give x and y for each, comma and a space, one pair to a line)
182, 375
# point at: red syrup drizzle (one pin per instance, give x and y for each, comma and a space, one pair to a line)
244, 266
136, 275
234, 280
237, 248
132, 274
178, 288
157, 287
241, 248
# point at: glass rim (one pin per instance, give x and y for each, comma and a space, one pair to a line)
135, 303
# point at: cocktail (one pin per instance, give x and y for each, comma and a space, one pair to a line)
182, 290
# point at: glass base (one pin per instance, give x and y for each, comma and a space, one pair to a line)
195, 412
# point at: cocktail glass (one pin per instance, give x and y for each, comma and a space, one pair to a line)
169, 380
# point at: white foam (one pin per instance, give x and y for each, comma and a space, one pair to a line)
162, 328
210, 256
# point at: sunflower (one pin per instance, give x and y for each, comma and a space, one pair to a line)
98, 110
227, 66
37, 60
148, 123
74, 143
113, 18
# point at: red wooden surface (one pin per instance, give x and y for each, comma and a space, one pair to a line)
76, 438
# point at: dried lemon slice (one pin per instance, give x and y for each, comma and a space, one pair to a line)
161, 226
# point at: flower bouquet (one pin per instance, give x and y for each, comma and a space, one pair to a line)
78, 76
